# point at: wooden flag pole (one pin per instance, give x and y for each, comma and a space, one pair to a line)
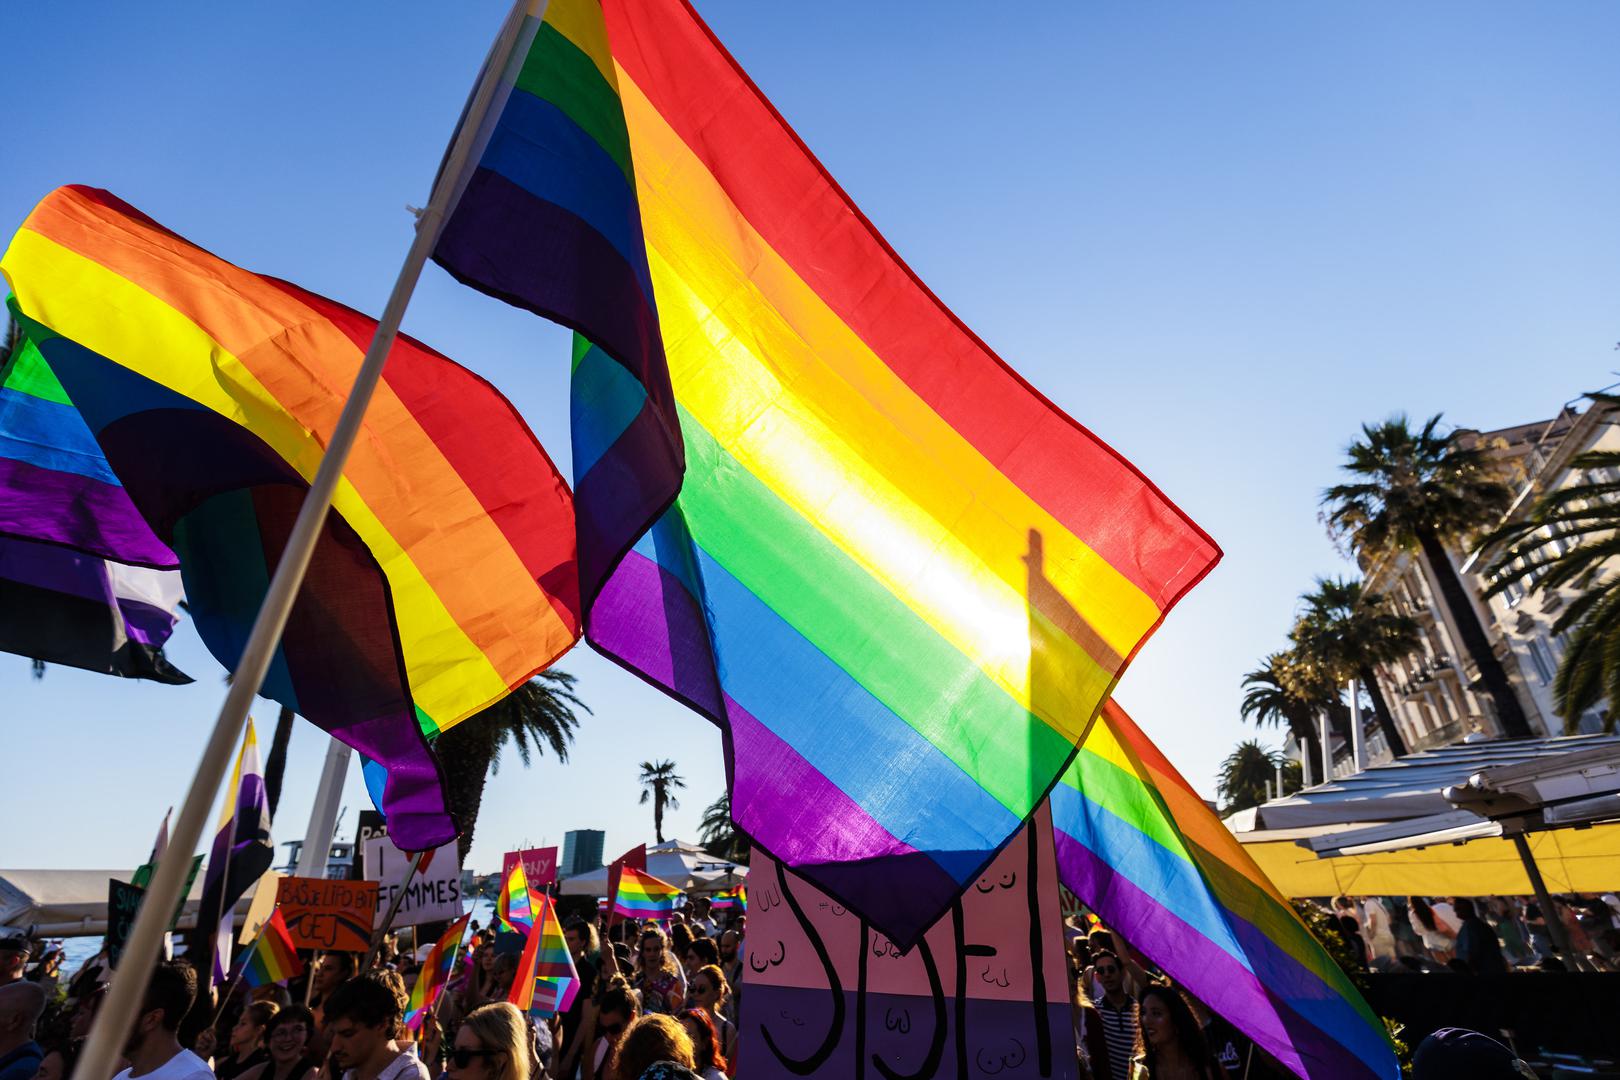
117, 1014
381, 932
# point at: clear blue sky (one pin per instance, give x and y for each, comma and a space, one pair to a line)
1221, 235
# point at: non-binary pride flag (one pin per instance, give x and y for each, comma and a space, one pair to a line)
547, 980
642, 896
273, 957
241, 852
435, 973
896, 576
512, 906
445, 576
1136, 844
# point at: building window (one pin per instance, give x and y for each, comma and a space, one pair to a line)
1542, 660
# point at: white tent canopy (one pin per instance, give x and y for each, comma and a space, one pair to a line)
73, 903
685, 866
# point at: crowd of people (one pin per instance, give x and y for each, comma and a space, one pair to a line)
661, 1001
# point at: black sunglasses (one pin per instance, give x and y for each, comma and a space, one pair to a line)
461, 1058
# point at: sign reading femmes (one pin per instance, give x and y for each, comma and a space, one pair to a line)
433, 892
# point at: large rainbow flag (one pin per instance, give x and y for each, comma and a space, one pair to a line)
642, 896
547, 981
896, 576
1137, 845
445, 575
435, 973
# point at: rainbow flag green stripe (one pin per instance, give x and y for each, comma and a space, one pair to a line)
1137, 845
273, 958
642, 896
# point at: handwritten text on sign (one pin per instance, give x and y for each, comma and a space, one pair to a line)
432, 894
328, 915
539, 865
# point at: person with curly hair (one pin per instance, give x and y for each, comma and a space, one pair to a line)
1171, 1044
655, 1048
657, 976
707, 1059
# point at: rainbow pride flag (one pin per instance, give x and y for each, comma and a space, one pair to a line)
512, 906
273, 957
896, 576
1137, 845
642, 896
445, 576
547, 981
435, 973
730, 899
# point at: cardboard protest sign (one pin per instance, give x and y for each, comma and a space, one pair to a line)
539, 866
334, 916
123, 902
985, 993
432, 895
370, 825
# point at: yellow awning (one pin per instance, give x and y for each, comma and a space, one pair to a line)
1571, 860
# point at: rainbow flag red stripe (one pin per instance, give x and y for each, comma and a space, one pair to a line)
547, 981
876, 512
273, 958
1136, 843
642, 896
435, 973
730, 899
512, 906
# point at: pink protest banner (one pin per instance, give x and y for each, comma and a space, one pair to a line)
539, 866
985, 993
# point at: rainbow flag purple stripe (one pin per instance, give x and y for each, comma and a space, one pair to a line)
1137, 845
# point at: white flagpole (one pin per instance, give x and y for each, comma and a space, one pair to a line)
117, 1014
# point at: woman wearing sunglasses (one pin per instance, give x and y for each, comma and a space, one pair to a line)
708, 991
493, 1044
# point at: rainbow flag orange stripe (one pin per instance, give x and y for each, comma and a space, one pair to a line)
273, 957
642, 896
435, 973
895, 575
1136, 843
547, 981
512, 906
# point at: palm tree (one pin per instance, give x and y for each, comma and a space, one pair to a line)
1347, 632
538, 714
1282, 694
1415, 491
1245, 774
718, 833
658, 783
1585, 520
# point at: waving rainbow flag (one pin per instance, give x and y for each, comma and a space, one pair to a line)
435, 973
444, 577
729, 899
1136, 844
512, 906
642, 896
273, 957
895, 575
547, 981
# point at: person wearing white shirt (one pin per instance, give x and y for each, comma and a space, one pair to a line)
1379, 931
153, 1049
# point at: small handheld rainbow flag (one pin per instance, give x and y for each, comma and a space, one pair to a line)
730, 899
435, 973
547, 980
513, 907
273, 958
642, 896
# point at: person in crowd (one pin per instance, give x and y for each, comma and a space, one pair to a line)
1457, 1052
1504, 919
701, 916
615, 1012
700, 954
14, 952
57, 1064
731, 963
289, 1039
492, 1044
1438, 937
707, 1060
708, 991
1377, 931
586, 949
362, 1019
1171, 1045
654, 1048
153, 1048
1116, 1014
1348, 922
657, 977
21, 1005
680, 939
1535, 925
245, 1047
335, 969
1477, 947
